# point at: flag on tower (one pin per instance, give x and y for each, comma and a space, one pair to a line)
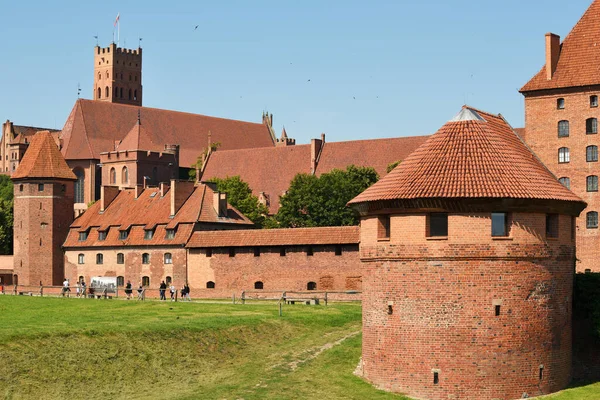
117, 19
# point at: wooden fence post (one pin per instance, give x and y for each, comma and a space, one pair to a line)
325, 299
243, 297
233, 298
41, 291
15, 291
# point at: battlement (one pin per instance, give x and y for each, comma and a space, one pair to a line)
169, 155
113, 49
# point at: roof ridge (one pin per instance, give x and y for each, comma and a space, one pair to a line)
87, 140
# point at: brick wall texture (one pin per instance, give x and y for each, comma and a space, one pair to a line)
443, 295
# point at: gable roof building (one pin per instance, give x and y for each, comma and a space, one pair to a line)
43, 160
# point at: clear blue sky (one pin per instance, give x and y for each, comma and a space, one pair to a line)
376, 68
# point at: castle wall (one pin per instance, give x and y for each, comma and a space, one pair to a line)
443, 294
541, 121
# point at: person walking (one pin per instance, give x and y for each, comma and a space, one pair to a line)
172, 290
83, 289
140, 292
128, 290
65, 288
187, 292
163, 289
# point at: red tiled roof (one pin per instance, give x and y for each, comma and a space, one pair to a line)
138, 138
43, 160
271, 170
376, 153
149, 211
579, 60
470, 159
276, 237
23, 134
94, 127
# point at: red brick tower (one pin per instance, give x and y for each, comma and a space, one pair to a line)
118, 75
43, 209
468, 254
561, 122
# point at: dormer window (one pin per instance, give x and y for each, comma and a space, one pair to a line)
170, 234
83, 236
102, 235
560, 104
123, 234
148, 234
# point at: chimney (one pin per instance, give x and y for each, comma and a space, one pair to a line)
137, 191
552, 53
180, 191
107, 195
316, 145
164, 188
220, 203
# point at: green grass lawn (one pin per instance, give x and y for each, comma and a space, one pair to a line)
53, 348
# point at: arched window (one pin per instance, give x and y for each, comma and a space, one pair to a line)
120, 258
592, 183
99, 258
125, 176
99, 76
99, 93
563, 128
80, 258
311, 286
560, 104
210, 285
20, 187
168, 258
121, 93
79, 185
145, 258
168, 280
120, 281
566, 182
130, 77
129, 94
107, 75
155, 176
116, 92
80, 279
145, 281
107, 92
258, 285
135, 94
563, 155
591, 126
592, 220
113, 176
593, 101
591, 154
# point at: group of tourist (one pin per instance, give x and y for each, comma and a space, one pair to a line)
83, 291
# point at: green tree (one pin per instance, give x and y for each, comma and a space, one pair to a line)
321, 201
393, 165
240, 196
6, 215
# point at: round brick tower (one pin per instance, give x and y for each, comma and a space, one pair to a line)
468, 251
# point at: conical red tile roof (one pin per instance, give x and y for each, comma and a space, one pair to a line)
43, 160
579, 56
475, 155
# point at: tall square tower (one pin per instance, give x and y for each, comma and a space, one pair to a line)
118, 75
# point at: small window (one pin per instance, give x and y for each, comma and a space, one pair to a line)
593, 101
552, 226
168, 258
80, 259
209, 252
588, 271
592, 183
125, 176
497, 310
232, 252
309, 251
168, 280
560, 104
107, 92
282, 252
99, 258
83, 236
40, 187
123, 234
120, 258
438, 225
383, 227
120, 281
566, 182
591, 154
99, 93
338, 250
210, 285
145, 258
170, 234
436, 378
499, 225
591, 126
311, 286
148, 234
257, 252
592, 220
102, 235
145, 281
563, 128
20, 188
563, 155
258, 285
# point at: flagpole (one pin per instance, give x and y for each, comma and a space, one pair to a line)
118, 31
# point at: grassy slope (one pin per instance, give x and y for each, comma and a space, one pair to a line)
118, 349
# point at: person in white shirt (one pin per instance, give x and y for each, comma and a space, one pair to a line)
66, 289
